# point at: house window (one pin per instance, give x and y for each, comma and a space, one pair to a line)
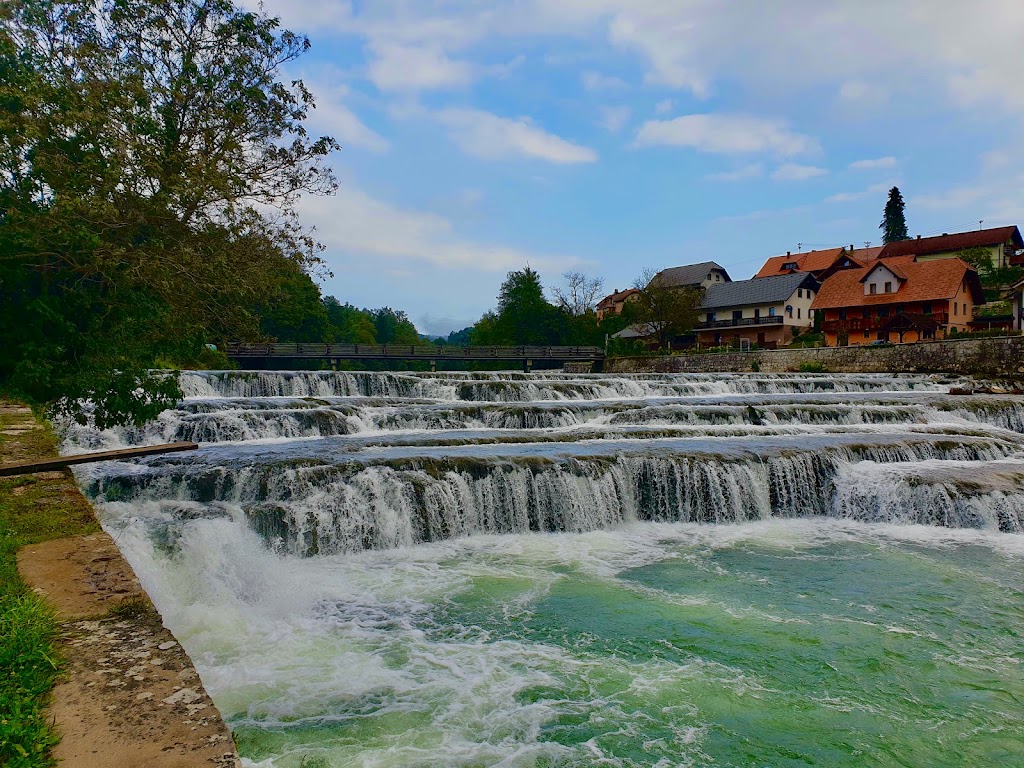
842, 314
757, 312
867, 335
771, 311
789, 310
737, 314
798, 313
926, 309
955, 305
965, 310
866, 314
873, 288
789, 265
799, 293
711, 317
709, 277
888, 287
883, 311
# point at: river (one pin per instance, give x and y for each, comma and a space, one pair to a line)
402, 569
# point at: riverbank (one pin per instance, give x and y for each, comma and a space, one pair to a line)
1001, 357
91, 676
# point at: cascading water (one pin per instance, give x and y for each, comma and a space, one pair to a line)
353, 561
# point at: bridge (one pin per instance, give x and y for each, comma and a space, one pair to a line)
335, 352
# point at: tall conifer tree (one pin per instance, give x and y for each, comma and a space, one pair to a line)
894, 222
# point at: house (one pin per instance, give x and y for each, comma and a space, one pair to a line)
703, 275
821, 264
898, 299
1003, 244
1015, 296
767, 311
614, 302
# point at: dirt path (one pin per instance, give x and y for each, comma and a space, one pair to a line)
130, 696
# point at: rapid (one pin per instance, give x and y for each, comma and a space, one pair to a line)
548, 569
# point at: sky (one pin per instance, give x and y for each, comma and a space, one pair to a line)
615, 136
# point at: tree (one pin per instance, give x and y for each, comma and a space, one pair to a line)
579, 295
666, 310
394, 327
350, 324
142, 143
894, 222
295, 311
524, 316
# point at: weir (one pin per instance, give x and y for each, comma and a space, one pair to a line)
476, 568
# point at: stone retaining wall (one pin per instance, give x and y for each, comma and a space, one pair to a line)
990, 357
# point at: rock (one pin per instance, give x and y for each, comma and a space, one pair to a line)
961, 391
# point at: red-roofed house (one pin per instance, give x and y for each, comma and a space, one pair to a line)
898, 299
1004, 243
821, 264
613, 303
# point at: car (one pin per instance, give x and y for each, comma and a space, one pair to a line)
879, 343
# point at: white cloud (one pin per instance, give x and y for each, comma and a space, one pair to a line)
331, 117
614, 119
970, 52
726, 134
416, 68
664, 106
352, 223
796, 172
954, 197
595, 81
878, 162
491, 137
849, 197
752, 171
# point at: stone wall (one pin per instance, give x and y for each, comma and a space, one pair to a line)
991, 357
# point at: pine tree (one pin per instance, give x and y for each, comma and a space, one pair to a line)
894, 222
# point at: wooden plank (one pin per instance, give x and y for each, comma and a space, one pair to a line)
48, 465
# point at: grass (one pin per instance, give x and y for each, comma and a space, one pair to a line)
31, 510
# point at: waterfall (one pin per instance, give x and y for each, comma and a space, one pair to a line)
322, 462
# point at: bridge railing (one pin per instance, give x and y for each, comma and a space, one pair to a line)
410, 351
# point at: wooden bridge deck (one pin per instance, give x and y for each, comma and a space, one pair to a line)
410, 352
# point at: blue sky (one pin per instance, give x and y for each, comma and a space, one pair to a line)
612, 136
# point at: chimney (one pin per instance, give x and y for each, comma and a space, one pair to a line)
851, 246
788, 253
945, 234
615, 291
918, 237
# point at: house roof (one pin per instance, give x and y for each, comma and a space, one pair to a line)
863, 255
615, 297
688, 274
809, 261
639, 331
759, 290
925, 281
922, 246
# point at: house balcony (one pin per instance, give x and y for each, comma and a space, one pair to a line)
872, 323
743, 322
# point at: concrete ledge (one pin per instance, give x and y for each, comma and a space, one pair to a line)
999, 357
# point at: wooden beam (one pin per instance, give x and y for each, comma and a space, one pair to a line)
48, 465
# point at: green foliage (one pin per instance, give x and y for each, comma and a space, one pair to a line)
135, 173
756, 368
394, 327
812, 366
295, 311
991, 276
894, 220
809, 340
666, 310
